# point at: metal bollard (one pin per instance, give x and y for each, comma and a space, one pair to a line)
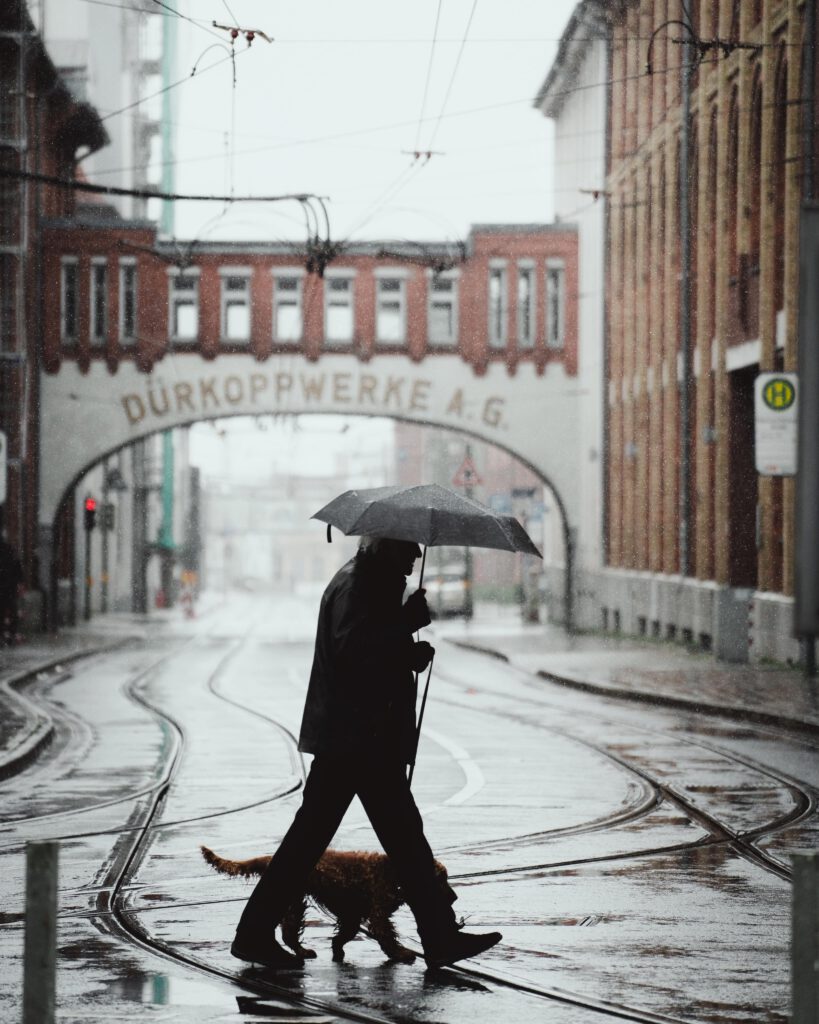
805, 939
40, 949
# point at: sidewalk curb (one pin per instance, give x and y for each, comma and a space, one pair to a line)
662, 700
14, 759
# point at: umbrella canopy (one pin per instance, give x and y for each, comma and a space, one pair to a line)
427, 514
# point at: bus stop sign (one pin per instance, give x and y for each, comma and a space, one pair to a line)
776, 412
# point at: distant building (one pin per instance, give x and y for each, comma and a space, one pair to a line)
572, 98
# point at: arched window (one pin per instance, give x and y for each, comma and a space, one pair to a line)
749, 284
732, 171
711, 226
780, 154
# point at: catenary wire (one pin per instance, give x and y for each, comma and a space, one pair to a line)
428, 75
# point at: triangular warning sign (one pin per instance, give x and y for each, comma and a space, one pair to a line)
467, 475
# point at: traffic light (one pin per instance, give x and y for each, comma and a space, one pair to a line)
90, 509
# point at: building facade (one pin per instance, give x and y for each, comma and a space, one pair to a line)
44, 129
699, 546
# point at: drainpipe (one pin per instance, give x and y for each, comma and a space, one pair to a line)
809, 73
685, 311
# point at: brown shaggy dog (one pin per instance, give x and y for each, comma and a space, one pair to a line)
355, 888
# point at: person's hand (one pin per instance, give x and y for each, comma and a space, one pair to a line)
415, 611
422, 654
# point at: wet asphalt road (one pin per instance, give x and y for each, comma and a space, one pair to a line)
636, 860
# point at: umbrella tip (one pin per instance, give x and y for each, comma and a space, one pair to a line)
329, 534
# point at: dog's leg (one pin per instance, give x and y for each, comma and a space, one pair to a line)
292, 928
383, 931
348, 925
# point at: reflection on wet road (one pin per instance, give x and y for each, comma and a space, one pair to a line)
636, 860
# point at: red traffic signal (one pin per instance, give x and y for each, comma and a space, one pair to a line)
90, 512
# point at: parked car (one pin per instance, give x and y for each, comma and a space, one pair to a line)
447, 591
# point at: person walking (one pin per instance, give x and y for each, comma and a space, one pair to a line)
359, 725
11, 578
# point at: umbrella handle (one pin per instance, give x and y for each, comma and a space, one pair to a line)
420, 720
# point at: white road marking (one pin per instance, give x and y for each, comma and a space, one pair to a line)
475, 780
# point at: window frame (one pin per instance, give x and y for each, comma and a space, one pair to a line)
556, 344
72, 263
225, 273
175, 274
526, 270
339, 274
126, 264
383, 275
98, 294
452, 276
298, 273
499, 269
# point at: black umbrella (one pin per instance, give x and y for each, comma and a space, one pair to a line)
427, 514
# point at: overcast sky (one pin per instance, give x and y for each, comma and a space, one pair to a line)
346, 88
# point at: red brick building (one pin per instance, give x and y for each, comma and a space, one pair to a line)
124, 294
43, 130
699, 543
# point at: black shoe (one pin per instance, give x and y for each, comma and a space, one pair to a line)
268, 953
460, 947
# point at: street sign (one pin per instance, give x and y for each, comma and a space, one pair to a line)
776, 412
467, 475
4, 447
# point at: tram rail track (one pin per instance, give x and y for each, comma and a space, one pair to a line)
137, 838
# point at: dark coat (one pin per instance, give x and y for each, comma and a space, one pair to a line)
362, 691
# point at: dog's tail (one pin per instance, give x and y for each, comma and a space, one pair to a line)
235, 868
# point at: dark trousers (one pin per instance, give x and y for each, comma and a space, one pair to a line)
381, 785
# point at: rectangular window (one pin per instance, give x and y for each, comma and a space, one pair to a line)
288, 322
68, 301
184, 312
497, 307
127, 302
390, 318
555, 299
99, 301
443, 310
526, 307
235, 307
339, 322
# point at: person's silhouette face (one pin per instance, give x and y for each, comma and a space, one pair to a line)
400, 554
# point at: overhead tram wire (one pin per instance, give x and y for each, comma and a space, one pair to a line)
149, 193
194, 72
172, 12
357, 132
452, 78
428, 76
